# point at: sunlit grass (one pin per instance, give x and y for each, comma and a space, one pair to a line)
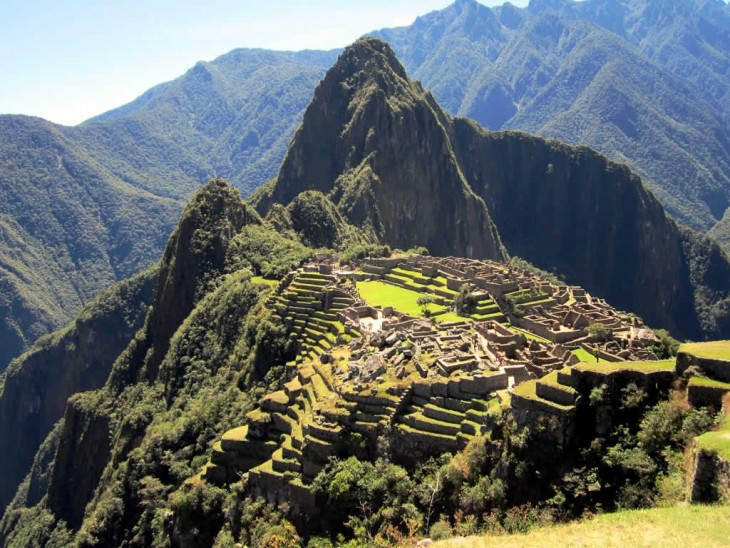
585, 356
644, 367
381, 294
680, 527
716, 350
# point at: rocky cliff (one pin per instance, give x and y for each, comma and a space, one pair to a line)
35, 387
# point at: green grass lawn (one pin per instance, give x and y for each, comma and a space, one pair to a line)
680, 527
585, 356
381, 294
716, 350
262, 280
377, 293
645, 367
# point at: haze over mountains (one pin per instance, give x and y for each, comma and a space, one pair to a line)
643, 82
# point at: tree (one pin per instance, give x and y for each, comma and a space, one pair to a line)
424, 301
465, 303
599, 332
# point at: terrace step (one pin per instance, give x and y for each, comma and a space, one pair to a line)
471, 427
288, 449
557, 393
282, 464
431, 438
421, 422
441, 414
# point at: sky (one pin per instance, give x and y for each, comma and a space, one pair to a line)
69, 60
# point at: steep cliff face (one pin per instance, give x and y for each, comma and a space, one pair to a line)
590, 220
376, 144
195, 255
36, 386
82, 454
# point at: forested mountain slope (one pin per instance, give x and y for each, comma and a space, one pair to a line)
85, 206
123, 466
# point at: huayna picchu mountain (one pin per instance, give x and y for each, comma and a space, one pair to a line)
394, 163
376, 144
230, 374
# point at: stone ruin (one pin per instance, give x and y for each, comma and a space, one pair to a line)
363, 373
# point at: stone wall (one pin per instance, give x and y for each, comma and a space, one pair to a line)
702, 396
710, 481
717, 369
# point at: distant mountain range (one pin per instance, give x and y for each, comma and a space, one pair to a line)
645, 83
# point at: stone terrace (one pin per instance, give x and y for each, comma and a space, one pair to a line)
362, 373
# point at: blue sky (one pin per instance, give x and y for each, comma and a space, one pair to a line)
68, 60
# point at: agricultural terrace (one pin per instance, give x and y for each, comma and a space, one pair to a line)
715, 350
640, 366
718, 441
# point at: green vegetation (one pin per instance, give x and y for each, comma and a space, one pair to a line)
358, 252
667, 347
319, 224
715, 350
717, 441
598, 331
381, 294
644, 367
265, 252
658, 527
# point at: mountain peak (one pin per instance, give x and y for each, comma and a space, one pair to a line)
369, 56
374, 143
